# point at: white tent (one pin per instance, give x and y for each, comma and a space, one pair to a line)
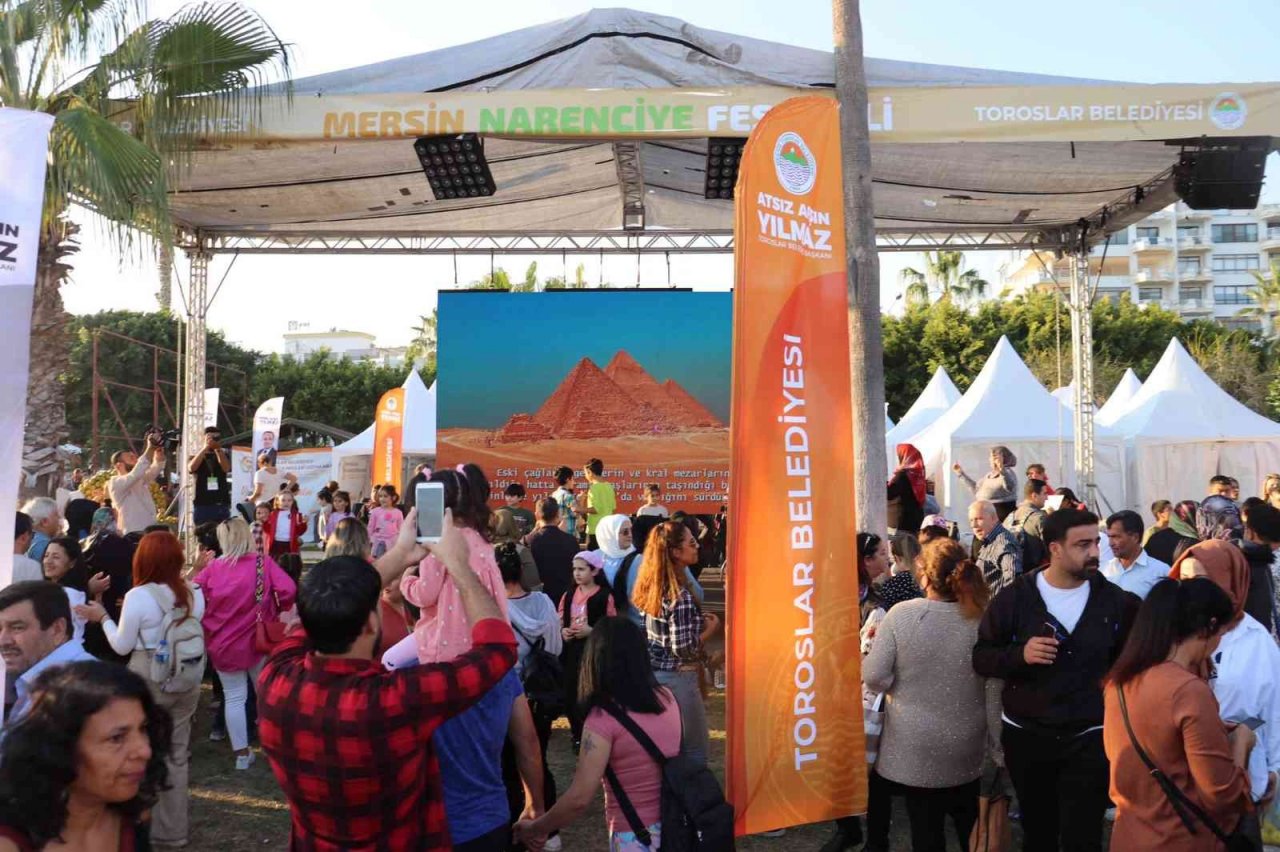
1007, 405
1120, 398
351, 459
888, 421
1066, 395
1183, 429
937, 397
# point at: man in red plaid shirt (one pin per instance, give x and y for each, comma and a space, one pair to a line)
349, 742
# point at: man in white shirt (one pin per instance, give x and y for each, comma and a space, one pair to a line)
130, 488
1131, 568
24, 567
35, 636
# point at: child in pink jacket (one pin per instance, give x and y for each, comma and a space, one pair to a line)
385, 521
442, 632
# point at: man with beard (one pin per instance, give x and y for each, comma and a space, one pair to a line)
1051, 637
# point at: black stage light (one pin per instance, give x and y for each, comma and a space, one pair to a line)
723, 157
455, 166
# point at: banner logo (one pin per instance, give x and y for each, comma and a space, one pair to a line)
1228, 111
793, 161
8, 248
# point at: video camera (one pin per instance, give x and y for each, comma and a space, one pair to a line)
170, 439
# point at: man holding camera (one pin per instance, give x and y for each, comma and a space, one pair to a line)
211, 468
130, 488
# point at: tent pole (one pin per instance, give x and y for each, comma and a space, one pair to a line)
194, 370
866, 347
1082, 375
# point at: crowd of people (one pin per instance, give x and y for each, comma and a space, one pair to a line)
1065, 670
459, 654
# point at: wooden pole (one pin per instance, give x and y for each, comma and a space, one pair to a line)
866, 349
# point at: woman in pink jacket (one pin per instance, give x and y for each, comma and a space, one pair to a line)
442, 632
237, 588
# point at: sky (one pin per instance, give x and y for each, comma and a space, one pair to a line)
1142, 41
692, 348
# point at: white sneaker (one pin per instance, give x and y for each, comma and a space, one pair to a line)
553, 844
244, 761
777, 832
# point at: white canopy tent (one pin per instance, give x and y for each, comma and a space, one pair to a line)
352, 459
1182, 429
934, 401
1007, 405
1120, 398
1066, 395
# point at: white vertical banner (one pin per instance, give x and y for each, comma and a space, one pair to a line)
210, 407
24, 150
266, 429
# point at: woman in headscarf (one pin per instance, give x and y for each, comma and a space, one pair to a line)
907, 491
1180, 531
614, 534
999, 486
1247, 660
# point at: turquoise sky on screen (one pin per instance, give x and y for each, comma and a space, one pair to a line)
505, 353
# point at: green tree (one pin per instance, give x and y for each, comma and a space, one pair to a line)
498, 279
1265, 295
76, 60
124, 367
944, 277
423, 345
326, 388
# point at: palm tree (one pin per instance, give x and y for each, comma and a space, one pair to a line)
424, 339
1265, 295
130, 98
944, 277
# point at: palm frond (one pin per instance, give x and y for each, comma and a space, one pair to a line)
99, 165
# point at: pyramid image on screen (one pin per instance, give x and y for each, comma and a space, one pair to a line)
622, 399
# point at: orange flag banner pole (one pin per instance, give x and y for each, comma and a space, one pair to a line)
388, 438
796, 752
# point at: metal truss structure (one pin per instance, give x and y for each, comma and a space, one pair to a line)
611, 242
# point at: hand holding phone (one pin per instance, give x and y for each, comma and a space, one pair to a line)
429, 499
1042, 650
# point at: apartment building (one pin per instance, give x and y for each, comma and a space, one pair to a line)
351, 345
1198, 263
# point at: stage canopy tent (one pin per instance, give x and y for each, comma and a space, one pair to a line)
1183, 429
1119, 400
596, 128
418, 443
1007, 405
934, 401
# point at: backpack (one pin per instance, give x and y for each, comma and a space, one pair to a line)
542, 676
181, 668
620, 600
695, 816
1031, 547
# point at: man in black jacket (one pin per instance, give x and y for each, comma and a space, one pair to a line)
1052, 636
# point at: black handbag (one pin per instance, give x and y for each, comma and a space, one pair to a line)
1247, 836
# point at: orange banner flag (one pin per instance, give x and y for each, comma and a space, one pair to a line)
388, 436
796, 752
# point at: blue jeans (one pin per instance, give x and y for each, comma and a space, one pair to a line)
695, 741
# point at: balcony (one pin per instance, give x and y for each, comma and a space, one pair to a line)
1189, 215
1270, 239
1153, 275
1194, 273
1190, 244
1149, 244
1195, 306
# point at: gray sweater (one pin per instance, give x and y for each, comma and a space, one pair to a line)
994, 487
940, 715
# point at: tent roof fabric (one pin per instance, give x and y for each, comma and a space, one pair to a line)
419, 424
369, 187
1179, 403
1120, 398
1005, 404
935, 400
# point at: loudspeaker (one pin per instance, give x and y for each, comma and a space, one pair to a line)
1222, 173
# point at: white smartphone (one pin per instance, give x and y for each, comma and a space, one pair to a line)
429, 498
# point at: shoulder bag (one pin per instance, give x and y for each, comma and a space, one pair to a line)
269, 631
1246, 838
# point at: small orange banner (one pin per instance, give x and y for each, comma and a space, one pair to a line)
388, 433
796, 752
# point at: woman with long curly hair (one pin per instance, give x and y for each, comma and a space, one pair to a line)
676, 626
85, 764
158, 590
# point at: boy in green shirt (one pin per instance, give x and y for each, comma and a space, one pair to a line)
602, 501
